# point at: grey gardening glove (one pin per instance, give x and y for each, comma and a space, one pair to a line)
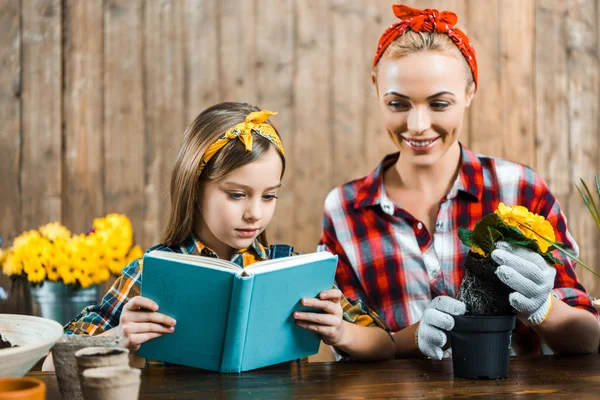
526, 272
436, 321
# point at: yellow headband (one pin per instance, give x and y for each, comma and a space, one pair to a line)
254, 123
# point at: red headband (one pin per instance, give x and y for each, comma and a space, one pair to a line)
427, 20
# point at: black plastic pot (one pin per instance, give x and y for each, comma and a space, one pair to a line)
481, 346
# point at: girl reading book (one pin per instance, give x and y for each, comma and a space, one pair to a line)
224, 188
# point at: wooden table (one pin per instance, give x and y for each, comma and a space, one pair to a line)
575, 377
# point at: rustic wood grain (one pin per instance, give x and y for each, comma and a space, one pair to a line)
486, 114
517, 79
238, 21
164, 107
537, 377
83, 114
41, 79
552, 106
583, 92
124, 143
200, 57
347, 94
10, 133
313, 120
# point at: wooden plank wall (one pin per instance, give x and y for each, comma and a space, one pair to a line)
95, 94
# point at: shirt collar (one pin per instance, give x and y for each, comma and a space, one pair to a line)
469, 179
193, 245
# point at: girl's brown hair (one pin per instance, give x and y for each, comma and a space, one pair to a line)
187, 181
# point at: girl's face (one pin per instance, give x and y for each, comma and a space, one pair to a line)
423, 97
236, 209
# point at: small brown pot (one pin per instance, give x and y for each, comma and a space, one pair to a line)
111, 383
22, 389
63, 354
96, 357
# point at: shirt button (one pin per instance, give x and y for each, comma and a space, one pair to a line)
435, 274
419, 226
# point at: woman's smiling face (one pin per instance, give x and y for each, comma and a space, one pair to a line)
423, 97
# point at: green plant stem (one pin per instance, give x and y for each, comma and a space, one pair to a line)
562, 250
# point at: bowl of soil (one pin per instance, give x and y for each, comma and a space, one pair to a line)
25, 340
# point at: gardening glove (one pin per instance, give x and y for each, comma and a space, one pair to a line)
526, 272
436, 321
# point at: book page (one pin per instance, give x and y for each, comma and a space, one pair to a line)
287, 262
201, 261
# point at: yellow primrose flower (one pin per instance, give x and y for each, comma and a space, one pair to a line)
3, 256
12, 265
34, 269
24, 238
54, 231
116, 264
100, 275
135, 253
66, 273
522, 219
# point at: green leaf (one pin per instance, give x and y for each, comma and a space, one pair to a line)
466, 236
551, 259
589, 202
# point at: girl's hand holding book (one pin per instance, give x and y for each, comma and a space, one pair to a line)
329, 324
140, 322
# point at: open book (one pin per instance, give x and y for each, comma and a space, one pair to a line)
231, 319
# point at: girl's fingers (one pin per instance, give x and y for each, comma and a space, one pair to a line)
136, 340
138, 302
145, 316
318, 319
328, 306
320, 329
146, 327
334, 295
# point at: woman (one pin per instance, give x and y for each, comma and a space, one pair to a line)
395, 230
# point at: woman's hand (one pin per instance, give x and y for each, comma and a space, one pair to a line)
140, 322
530, 276
437, 320
328, 324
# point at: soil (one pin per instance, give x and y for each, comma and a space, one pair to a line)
481, 290
110, 353
5, 344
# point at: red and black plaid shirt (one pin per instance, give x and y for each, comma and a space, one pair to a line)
391, 262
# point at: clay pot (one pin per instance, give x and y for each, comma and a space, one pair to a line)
95, 357
111, 383
63, 354
22, 389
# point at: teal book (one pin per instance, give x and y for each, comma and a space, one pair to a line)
233, 319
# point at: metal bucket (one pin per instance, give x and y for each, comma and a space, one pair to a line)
60, 302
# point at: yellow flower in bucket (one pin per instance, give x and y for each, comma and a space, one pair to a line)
53, 253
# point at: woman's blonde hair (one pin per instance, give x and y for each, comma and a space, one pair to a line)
414, 42
187, 180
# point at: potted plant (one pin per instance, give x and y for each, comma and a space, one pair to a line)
63, 270
481, 339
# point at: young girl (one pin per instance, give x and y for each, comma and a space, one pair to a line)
224, 188
395, 231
